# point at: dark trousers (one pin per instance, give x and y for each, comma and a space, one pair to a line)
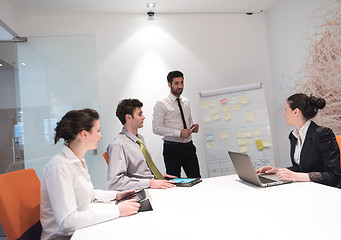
177, 155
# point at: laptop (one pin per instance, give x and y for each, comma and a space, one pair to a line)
247, 172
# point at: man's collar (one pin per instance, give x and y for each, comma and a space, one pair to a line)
172, 97
129, 134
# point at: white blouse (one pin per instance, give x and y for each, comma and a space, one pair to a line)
68, 199
300, 135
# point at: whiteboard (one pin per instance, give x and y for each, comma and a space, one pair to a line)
235, 119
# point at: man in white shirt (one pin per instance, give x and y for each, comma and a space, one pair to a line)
172, 119
128, 166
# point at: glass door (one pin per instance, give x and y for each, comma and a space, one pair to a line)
11, 131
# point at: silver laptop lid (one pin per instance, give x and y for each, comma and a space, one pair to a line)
244, 168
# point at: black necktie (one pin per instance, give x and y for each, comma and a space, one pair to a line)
182, 114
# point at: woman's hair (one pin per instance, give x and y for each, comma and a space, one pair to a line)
308, 105
73, 123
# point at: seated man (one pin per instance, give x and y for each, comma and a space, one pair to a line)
130, 164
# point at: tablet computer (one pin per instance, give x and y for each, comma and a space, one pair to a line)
185, 182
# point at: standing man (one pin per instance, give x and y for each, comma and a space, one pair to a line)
130, 164
172, 119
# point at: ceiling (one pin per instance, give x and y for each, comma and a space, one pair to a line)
138, 6
25, 7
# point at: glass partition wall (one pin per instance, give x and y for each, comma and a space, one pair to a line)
55, 75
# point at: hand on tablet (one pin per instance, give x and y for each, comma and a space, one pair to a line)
128, 207
124, 194
163, 184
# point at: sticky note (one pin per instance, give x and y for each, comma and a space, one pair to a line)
247, 134
243, 149
249, 116
214, 110
256, 133
215, 117
227, 116
204, 105
224, 107
207, 119
243, 99
209, 137
236, 107
212, 104
209, 144
266, 143
241, 142
259, 144
240, 134
248, 141
223, 101
224, 135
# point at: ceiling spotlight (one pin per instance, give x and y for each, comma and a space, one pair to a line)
151, 5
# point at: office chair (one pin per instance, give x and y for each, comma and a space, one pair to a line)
338, 139
106, 157
20, 205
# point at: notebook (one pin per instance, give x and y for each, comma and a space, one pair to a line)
247, 172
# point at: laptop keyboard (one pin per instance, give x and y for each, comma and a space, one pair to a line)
265, 180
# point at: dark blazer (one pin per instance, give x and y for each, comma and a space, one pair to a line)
320, 155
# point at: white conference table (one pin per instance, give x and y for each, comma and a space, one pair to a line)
227, 208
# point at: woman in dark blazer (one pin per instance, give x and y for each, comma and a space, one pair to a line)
315, 154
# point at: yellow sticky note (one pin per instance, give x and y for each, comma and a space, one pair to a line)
256, 133
214, 110
215, 117
224, 135
241, 142
249, 116
227, 116
240, 134
243, 99
259, 144
211, 104
266, 143
209, 144
247, 134
224, 107
243, 149
207, 119
204, 105
236, 107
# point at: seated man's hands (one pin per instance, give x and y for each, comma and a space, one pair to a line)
163, 184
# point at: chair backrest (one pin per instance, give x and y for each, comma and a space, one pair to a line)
338, 139
106, 157
20, 204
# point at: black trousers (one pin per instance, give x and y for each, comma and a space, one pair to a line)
177, 155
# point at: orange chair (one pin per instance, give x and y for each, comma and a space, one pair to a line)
20, 204
338, 139
106, 157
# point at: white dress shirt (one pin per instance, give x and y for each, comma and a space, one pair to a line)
128, 168
67, 197
167, 121
300, 135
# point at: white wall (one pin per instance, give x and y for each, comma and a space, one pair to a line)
134, 56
